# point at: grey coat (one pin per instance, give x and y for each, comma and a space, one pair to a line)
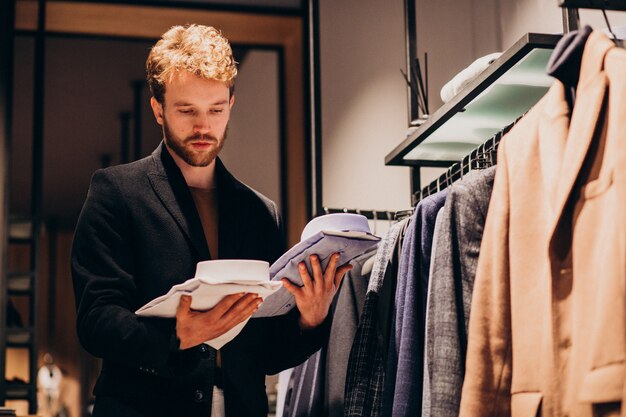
453, 269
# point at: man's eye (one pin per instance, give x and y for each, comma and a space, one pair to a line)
217, 111
186, 111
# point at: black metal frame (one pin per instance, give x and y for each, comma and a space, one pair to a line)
410, 42
137, 87
28, 390
619, 5
7, 24
36, 201
571, 19
315, 109
282, 109
509, 58
183, 4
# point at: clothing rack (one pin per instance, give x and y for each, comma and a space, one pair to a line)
373, 214
484, 156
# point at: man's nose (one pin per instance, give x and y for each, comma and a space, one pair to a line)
201, 124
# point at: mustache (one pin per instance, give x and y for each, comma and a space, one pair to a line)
200, 136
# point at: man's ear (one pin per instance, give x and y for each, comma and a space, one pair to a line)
157, 109
232, 101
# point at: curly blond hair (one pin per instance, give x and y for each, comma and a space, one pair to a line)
200, 50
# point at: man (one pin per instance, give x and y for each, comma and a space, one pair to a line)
143, 228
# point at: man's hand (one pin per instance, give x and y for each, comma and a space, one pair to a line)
194, 327
316, 295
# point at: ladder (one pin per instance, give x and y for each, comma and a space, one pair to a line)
19, 236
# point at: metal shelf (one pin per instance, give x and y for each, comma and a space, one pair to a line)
496, 98
20, 283
595, 4
20, 229
19, 337
20, 391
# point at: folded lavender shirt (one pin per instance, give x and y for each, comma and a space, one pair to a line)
346, 233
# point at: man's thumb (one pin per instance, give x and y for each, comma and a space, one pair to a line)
184, 304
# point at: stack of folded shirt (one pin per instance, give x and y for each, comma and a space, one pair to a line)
215, 280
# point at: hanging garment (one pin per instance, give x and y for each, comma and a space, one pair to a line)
306, 388
348, 308
316, 387
426, 389
404, 372
453, 268
547, 329
366, 366
282, 390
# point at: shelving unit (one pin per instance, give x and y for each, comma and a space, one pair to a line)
496, 98
21, 234
21, 284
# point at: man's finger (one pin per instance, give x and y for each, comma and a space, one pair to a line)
243, 303
291, 287
241, 310
184, 305
341, 272
331, 269
307, 281
226, 303
316, 268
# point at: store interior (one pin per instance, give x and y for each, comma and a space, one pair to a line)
322, 118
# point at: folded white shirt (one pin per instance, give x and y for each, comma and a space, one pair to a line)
215, 280
456, 84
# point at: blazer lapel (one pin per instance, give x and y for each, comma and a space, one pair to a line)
590, 94
170, 186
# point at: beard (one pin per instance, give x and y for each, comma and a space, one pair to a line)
183, 148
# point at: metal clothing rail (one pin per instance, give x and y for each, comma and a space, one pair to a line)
484, 156
373, 214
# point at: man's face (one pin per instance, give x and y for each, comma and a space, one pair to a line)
194, 117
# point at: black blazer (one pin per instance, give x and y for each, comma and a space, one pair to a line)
138, 234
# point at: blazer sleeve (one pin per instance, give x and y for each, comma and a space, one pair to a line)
105, 288
487, 383
290, 346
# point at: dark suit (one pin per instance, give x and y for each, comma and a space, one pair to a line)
138, 234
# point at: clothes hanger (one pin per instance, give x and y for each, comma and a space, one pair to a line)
564, 64
368, 265
375, 218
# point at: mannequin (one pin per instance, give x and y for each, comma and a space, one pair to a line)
49, 379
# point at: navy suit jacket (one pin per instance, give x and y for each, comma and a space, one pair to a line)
138, 234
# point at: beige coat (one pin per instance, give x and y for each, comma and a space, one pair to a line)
547, 326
